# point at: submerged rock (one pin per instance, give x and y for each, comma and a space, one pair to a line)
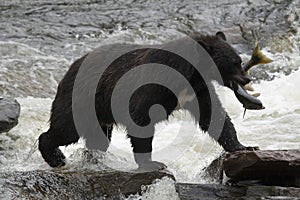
75, 184
214, 172
9, 114
269, 167
214, 191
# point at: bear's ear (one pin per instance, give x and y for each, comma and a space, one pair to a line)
221, 35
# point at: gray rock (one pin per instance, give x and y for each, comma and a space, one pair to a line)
85, 184
213, 191
9, 114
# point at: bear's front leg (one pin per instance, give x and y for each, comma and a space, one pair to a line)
142, 149
228, 138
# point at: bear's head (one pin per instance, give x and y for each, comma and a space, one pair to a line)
229, 63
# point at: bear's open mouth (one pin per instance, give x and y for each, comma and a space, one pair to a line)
249, 102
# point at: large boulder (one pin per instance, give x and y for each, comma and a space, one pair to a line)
263, 174
84, 184
269, 167
9, 114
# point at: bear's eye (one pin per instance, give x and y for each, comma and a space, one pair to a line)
237, 61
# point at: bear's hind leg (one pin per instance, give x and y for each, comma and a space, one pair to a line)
48, 146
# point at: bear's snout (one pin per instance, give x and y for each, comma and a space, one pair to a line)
242, 79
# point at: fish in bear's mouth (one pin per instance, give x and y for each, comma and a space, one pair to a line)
240, 84
249, 102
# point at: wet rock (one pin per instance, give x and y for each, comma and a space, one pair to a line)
213, 191
75, 184
269, 167
263, 174
214, 172
9, 114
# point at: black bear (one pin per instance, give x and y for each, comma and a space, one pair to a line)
62, 129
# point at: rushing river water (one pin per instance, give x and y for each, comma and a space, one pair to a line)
39, 40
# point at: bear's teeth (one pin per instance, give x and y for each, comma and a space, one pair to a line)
249, 87
256, 94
